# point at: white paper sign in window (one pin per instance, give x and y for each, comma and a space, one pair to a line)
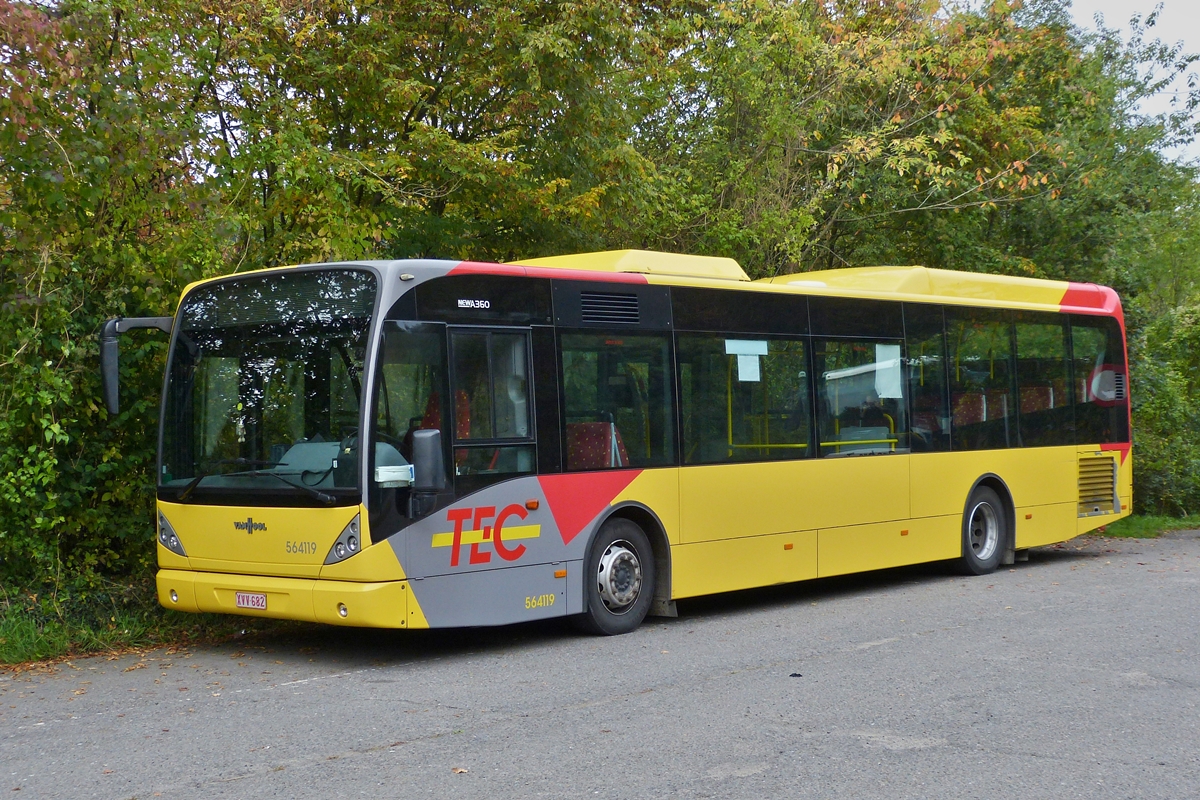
888, 381
748, 352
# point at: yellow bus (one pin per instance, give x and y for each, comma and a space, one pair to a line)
413, 444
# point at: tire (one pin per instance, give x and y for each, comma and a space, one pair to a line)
618, 584
984, 532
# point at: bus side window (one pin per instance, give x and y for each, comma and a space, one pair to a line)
860, 397
1100, 385
617, 397
983, 413
926, 345
743, 398
492, 431
1043, 380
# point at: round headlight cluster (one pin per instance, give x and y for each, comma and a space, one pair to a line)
347, 544
167, 536
169, 540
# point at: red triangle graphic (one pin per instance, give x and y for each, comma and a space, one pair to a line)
1122, 447
576, 499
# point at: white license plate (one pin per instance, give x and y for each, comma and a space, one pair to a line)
253, 600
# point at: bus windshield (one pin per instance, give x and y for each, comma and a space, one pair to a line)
264, 389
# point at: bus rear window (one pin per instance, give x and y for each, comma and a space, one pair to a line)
1101, 385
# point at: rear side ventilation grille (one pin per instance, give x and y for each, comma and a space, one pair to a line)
1119, 385
607, 308
1097, 485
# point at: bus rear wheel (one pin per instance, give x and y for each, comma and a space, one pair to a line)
619, 575
984, 532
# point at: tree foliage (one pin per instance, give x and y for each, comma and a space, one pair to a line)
143, 146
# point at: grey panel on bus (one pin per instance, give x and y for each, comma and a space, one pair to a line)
500, 596
465, 572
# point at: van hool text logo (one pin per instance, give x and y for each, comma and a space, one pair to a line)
249, 525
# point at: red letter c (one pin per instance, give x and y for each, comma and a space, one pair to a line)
508, 554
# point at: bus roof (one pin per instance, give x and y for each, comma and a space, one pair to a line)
915, 284
912, 284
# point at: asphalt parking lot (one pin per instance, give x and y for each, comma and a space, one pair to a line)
1076, 674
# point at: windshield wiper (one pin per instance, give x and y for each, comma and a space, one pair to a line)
316, 494
204, 473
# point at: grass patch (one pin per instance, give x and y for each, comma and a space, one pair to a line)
125, 618
1149, 526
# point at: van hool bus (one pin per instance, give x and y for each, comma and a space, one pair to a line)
415, 444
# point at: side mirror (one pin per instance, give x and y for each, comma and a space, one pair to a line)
109, 367
109, 349
429, 471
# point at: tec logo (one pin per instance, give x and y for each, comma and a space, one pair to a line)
486, 527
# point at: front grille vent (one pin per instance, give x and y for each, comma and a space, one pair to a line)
1097, 485
607, 308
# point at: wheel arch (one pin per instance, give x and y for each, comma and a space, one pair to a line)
656, 532
994, 482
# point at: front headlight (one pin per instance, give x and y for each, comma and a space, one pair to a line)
347, 544
168, 538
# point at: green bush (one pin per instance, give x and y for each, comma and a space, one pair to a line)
1165, 389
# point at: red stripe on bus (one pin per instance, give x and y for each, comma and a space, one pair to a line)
484, 268
1123, 447
1089, 298
575, 499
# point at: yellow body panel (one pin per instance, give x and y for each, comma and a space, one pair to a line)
658, 490
376, 605
723, 501
870, 512
645, 261
169, 560
724, 566
1039, 525
294, 543
859, 548
1035, 476
376, 562
945, 285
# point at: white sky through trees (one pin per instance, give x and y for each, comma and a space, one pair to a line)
1179, 21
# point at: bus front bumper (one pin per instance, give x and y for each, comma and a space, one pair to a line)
374, 605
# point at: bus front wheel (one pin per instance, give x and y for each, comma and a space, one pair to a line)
618, 579
984, 532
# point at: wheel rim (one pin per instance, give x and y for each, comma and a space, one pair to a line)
984, 531
619, 577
